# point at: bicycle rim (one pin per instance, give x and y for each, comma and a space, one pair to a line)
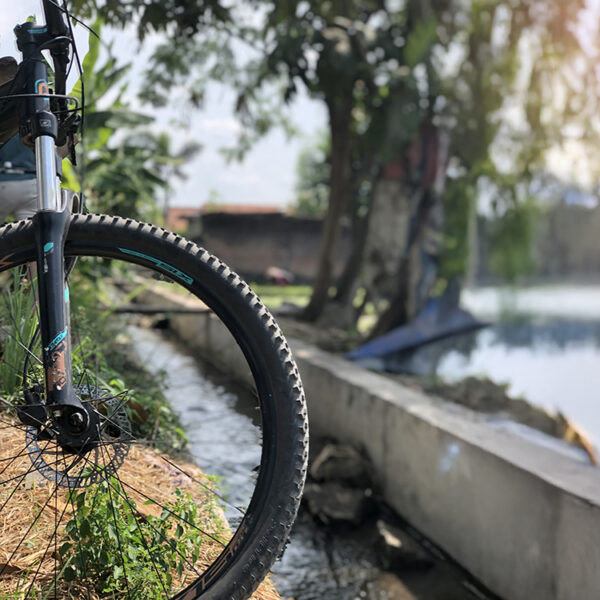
137, 514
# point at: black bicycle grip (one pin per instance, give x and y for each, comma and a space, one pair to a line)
55, 19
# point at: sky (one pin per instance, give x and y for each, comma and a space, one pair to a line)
267, 175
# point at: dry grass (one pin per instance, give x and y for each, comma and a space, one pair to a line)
27, 551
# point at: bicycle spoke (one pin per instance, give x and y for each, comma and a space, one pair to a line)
108, 419
11, 364
81, 553
20, 342
7, 403
9, 425
202, 531
203, 485
19, 455
53, 537
13, 319
35, 466
56, 524
144, 541
23, 477
33, 523
170, 520
126, 499
117, 532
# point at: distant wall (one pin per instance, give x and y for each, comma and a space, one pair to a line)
251, 243
566, 243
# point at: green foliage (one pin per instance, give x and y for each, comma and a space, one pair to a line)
98, 360
103, 539
193, 44
126, 165
312, 187
126, 555
179, 19
420, 41
17, 328
458, 66
275, 295
459, 211
511, 237
484, 72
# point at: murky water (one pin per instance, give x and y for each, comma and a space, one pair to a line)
318, 563
218, 416
544, 343
314, 565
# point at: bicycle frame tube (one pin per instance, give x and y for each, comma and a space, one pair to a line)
51, 226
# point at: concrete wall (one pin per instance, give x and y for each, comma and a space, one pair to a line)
565, 244
251, 243
521, 516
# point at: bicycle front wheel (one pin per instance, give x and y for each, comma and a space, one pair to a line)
136, 514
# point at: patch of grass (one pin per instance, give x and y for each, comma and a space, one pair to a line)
17, 309
123, 554
275, 295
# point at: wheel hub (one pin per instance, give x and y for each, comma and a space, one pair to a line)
76, 448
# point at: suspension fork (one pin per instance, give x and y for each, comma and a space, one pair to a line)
51, 224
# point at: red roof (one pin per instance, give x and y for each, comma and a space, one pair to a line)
241, 209
178, 216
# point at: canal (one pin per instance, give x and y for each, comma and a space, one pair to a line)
320, 562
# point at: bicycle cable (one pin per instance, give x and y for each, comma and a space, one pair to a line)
80, 69
70, 16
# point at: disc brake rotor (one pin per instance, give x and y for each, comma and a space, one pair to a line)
93, 464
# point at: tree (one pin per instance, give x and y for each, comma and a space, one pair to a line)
464, 64
312, 187
344, 72
417, 93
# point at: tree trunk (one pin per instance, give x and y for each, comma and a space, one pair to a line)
414, 283
339, 311
346, 285
423, 172
339, 124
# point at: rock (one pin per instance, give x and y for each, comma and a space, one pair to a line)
387, 587
399, 551
333, 502
341, 463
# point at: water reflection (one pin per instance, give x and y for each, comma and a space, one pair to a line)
539, 334
551, 359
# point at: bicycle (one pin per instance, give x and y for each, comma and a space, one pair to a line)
74, 449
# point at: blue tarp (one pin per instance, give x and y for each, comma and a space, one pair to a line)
434, 322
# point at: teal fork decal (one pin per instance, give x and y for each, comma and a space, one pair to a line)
57, 340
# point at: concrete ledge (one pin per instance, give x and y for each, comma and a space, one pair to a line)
523, 517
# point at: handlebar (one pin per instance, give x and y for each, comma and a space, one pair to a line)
55, 19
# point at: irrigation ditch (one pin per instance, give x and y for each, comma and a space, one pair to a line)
348, 542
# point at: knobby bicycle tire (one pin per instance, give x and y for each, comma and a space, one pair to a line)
262, 531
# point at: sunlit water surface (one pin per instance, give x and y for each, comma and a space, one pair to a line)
544, 342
